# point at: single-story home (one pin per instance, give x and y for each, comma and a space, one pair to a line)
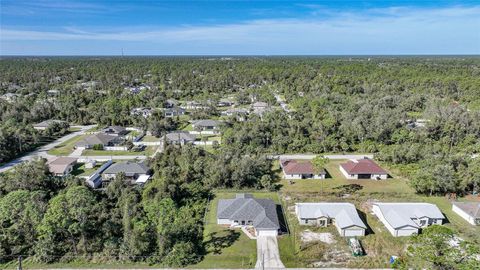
98, 139
178, 137
62, 166
405, 219
343, 216
144, 112
260, 108
470, 211
362, 169
204, 125
300, 169
245, 210
45, 124
135, 173
172, 112
115, 131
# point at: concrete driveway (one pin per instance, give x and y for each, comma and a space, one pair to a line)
268, 255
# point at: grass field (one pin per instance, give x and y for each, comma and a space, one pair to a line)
80, 170
335, 179
66, 147
150, 138
147, 152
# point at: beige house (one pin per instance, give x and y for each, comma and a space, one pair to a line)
62, 166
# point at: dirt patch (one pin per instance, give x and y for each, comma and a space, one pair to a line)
309, 236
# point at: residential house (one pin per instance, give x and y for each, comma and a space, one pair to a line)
115, 131
172, 112
238, 113
144, 112
300, 169
405, 219
343, 216
260, 108
45, 124
178, 137
206, 125
245, 210
62, 166
362, 169
135, 173
225, 103
193, 105
470, 211
105, 140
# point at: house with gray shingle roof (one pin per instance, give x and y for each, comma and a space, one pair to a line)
245, 210
134, 172
45, 124
405, 219
98, 139
178, 137
470, 211
206, 125
343, 215
115, 130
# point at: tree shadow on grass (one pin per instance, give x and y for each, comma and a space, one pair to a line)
216, 243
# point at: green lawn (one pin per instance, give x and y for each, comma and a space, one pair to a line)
150, 138
335, 178
80, 170
228, 248
66, 147
147, 152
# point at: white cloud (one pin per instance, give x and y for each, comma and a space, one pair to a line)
390, 30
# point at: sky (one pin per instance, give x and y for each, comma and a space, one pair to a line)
148, 27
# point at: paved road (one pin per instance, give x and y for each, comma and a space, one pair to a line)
307, 156
42, 151
268, 255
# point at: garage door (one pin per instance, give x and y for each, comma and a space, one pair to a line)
267, 232
406, 232
354, 232
364, 176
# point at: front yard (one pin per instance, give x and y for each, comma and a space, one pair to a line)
335, 178
149, 150
67, 147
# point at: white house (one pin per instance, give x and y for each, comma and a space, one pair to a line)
245, 210
343, 216
362, 169
405, 219
300, 169
470, 211
62, 166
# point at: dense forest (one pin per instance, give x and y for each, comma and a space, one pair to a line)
339, 105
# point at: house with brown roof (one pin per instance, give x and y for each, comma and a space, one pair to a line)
62, 166
300, 169
362, 169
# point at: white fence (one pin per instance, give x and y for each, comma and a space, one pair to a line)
206, 132
115, 148
148, 143
203, 143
